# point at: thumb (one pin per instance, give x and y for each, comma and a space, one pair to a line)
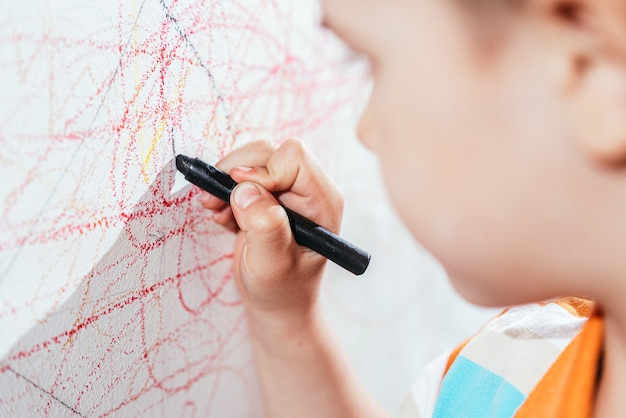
269, 243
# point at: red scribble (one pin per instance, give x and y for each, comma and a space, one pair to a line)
154, 326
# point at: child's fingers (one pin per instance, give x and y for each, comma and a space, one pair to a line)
222, 213
271, 253
252, 154
291, 173
211, 202
308, 190
226, 219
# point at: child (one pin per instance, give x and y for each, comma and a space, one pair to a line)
511, 117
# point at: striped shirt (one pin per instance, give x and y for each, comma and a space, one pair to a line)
538, 360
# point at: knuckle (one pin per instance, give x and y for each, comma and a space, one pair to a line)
273, 183
262, 145
271, 230
294, 147
250, 153
286, 163
278, 217
271, 220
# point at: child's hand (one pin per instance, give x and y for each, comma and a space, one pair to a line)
278, 278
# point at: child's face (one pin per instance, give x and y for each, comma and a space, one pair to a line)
468, 125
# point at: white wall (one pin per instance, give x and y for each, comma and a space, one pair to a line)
116, 296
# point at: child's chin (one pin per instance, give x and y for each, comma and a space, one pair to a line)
482, 294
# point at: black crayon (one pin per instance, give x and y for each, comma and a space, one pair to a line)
306, 232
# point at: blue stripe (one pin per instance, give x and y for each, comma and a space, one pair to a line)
469, 390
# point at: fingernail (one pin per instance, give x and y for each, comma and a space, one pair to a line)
205, 197
243, 168
246, 194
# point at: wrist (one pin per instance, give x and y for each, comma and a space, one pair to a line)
280, 325
289, 309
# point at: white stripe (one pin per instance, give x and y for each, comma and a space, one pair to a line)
523, 343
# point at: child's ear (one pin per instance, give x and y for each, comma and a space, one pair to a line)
597, 109
593, 75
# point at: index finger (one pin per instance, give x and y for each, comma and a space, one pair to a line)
300, 183
252, 154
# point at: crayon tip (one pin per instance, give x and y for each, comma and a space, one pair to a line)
183, 163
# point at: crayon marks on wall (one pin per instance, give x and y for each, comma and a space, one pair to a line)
116, 297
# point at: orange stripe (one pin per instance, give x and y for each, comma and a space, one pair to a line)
568, 387
582, 308
454, 354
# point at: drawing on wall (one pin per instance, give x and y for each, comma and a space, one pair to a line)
116, 296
